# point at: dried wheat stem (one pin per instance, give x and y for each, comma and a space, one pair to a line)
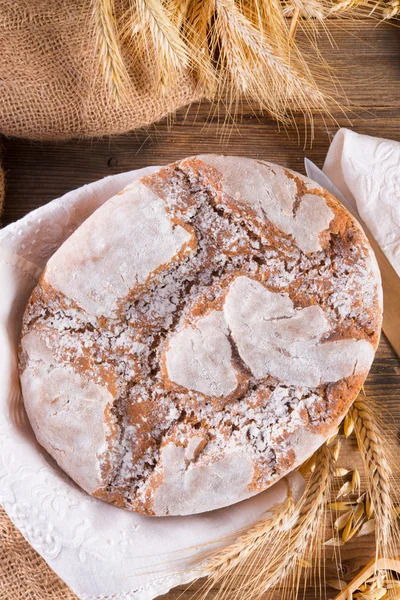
233, 555
199, 13
269, 19
236, 48
293, 24
307, 9
378, 472
179, 12
306, 532
109, 48
230, 36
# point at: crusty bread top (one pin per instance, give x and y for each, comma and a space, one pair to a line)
200, 335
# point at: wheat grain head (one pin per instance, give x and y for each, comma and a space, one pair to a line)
379, 475
108, 46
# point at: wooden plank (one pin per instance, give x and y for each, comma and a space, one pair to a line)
367, 60
39, 172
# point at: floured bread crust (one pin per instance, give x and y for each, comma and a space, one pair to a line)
200, 335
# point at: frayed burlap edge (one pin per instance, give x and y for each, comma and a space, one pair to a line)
52, 79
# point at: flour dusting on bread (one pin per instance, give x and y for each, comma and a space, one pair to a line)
272, 194
116, 250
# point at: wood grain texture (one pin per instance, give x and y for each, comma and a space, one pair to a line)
366, 58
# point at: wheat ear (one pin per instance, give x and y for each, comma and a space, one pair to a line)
344, 5
378, 472
256, 67
108, 47
170, 50
197, 32
179, 12
304, 540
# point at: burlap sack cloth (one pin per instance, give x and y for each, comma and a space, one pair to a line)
51, 87
51, 84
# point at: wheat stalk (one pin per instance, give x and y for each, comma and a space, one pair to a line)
308, 9
109, 48
305, 538
369, 440
345, 5
269, 18
235, 48
179, 12
252, 539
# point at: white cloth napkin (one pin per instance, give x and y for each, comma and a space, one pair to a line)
100, 551
367, 171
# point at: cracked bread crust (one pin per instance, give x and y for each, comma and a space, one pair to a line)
200, 335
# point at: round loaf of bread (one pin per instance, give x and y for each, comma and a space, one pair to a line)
200, 335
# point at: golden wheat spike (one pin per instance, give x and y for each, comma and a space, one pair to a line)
260, 69
108, 46
251, 539
171, 52
179, 12
235, 49
344, 5
379, 476
197, 32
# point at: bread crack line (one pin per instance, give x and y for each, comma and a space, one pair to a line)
272, 339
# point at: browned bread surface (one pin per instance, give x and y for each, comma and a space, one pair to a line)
200, 335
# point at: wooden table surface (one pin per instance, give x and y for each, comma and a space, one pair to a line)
367, 60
